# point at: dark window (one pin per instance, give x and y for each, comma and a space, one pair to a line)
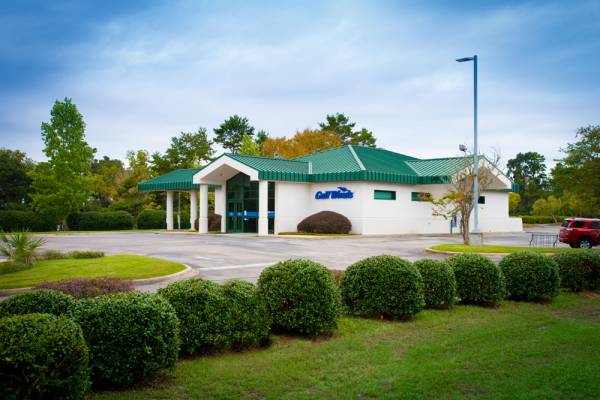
577, 224
595, 225
565, 223
481, 200
384, 195
421, 196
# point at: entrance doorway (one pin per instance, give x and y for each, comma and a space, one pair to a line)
242, 205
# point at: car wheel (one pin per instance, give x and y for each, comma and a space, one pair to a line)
584, 243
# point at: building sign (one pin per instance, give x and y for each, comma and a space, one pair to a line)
341, 193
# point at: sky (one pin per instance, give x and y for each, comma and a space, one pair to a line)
141, 72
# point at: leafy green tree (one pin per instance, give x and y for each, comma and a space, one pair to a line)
231, 132
340, 124
249, 147
550, 206
188, 150
62, 184
514, 202
129, 198
14, 179
261, 136
528, 170
107, 174
578, 174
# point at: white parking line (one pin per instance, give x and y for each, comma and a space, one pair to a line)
241, 266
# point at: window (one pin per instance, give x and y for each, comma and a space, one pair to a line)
577, 224
384, 195
481, 200
595, 225
421, 196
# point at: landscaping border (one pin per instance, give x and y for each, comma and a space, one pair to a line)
188, 272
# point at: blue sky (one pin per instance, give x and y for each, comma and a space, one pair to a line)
143, 71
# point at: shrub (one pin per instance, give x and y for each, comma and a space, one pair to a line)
579, 270
325, 222
131, 336
85, 254
84, 288
439, 283
248, 317
13, 220
39, 301
383, 286
530, 276
152, 219
478, 280
203, 312
301, 297
214, 223
53, 255
540, 219
42, 357
99, 221
20, 247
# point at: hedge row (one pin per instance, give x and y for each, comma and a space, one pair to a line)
541, 219
98, 221
11, 220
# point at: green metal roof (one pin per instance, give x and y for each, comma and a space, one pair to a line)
345, 163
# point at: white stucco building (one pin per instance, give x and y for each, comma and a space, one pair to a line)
380, 191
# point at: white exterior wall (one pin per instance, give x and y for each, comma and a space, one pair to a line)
296, 201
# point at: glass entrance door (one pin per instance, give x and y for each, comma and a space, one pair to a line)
242, 204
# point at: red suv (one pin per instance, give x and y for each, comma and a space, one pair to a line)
580, 232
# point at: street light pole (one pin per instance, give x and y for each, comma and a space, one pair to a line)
475, 147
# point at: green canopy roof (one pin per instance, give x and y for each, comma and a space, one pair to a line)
180, 179
345, 163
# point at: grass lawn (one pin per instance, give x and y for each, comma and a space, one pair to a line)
121, 266
463, 248
517, 351
77, 232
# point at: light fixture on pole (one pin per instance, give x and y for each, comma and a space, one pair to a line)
475, 148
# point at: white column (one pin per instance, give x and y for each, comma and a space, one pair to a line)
193, 208
169, 210
220, 205
203, 220
263, 208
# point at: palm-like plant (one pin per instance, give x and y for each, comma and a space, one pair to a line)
20, 247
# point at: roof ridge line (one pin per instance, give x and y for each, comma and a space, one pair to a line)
265, 157
356, 158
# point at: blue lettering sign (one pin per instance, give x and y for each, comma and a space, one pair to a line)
341, 193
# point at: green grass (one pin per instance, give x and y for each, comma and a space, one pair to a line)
517, 351
78, 232
462, 248
120, 266
315, 234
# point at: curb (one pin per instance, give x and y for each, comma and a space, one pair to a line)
451, 253
137, 282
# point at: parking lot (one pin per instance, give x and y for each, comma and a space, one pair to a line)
223, 257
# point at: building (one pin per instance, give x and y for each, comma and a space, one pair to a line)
380, 191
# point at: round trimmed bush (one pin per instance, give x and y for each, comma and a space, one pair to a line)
42, 357
579, 270
300, 296
530, 276
478, 279
439, 283
40, 301
248, 317
203, 312
131, 336
325, 222
385, 286
152, 219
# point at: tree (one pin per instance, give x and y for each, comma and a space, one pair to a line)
528, 170
458, 200
230, 133
249, 147
578, 174
514, 202
341, 125
261, 136
550, 206
301, 144
188, 150
129, 198
107, 173
62, 184
14, 179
